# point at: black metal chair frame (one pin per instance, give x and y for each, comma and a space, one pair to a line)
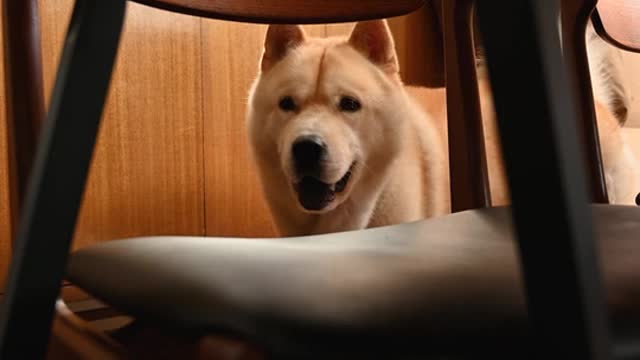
563, 282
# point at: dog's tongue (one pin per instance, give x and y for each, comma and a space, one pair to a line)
313, 194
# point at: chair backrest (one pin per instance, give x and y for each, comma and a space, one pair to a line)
298, 12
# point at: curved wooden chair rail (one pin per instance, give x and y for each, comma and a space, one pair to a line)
277, 11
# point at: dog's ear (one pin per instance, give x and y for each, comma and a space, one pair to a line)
374, 40
278, 41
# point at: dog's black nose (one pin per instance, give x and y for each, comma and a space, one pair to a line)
308, 153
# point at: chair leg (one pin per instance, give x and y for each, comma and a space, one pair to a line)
537, 122
467, 157
575, 16
58, 178
24, 103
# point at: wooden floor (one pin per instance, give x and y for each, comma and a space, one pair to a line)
88, 329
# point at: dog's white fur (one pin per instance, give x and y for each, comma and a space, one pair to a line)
396, 141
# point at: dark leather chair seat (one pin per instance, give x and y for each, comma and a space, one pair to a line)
444, 286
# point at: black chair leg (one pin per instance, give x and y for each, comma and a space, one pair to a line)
58, 178
535, 107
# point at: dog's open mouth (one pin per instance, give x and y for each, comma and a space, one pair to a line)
314, 194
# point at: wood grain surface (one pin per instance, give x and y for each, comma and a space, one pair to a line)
234, 202
146, 177
273, 11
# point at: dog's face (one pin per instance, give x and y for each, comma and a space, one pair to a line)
324, 113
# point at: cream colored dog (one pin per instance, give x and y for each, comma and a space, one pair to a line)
342, 144
338, 142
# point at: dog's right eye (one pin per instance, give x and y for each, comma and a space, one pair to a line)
287, 104
349, 104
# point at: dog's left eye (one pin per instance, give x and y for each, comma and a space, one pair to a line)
349, 104
287, 104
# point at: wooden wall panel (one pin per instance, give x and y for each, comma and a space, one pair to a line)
5, 223
234, 202
419, 46
147, 173
54, 18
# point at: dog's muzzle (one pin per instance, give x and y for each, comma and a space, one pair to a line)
309, 153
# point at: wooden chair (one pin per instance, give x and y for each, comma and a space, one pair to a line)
449, 286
